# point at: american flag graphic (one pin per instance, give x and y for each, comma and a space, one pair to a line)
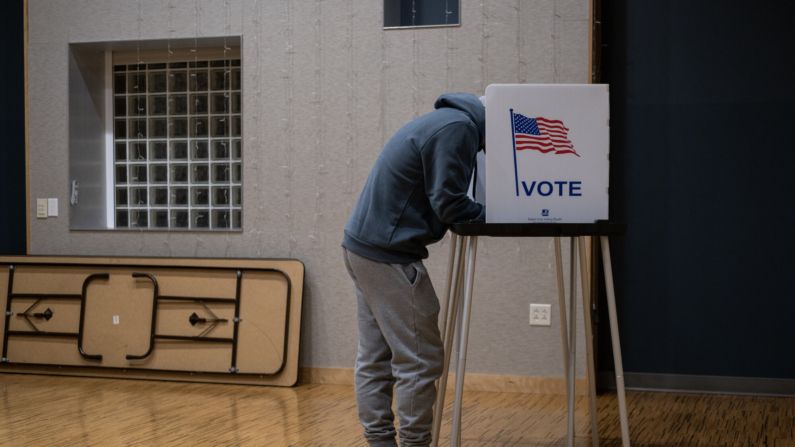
541, 134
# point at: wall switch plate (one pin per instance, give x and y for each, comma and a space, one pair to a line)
115, 319
52, 207
41, 208
540, 315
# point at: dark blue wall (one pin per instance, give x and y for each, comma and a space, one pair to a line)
702, 170
12, 130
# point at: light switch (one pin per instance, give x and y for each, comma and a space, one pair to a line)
41, 208
52, 205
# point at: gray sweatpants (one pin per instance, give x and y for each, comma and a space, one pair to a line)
399, 346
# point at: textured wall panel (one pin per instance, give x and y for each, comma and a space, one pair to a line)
324, 88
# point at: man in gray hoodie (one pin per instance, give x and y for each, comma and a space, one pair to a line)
417, 188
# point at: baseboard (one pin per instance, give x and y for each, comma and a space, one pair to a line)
700, 384
473, 382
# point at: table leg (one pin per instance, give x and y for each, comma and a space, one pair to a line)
455, 439
448, 331
611, 308
572, 342
586, 308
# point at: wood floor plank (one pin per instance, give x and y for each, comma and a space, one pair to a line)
70, 411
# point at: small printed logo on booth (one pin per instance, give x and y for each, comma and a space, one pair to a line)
545, 213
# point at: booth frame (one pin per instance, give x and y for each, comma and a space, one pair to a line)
454, 320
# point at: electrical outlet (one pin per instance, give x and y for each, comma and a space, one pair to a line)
540, 315
41, 208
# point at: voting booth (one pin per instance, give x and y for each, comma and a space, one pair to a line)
547, 153
545, 173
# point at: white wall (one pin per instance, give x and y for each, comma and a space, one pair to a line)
324, 88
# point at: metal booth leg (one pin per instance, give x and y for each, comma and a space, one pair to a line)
456, 316
455, 438
562, 305
451, 269
447, 326
457, 342
586, 309
572, 343
611, 308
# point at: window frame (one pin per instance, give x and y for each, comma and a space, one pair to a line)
399, 27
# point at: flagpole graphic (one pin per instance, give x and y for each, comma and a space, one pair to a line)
513, 136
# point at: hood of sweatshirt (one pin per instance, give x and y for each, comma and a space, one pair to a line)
469, 104
418, 185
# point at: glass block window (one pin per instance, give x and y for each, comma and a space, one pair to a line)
178, 146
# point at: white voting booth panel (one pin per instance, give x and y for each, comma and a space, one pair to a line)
546, 162
547, 150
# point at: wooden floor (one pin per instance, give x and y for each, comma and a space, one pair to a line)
65, 411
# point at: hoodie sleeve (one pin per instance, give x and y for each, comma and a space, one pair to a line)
448, 159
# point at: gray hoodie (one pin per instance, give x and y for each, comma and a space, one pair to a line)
418, 186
